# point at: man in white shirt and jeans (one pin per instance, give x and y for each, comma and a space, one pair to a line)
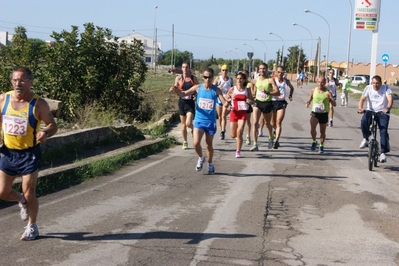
379, 99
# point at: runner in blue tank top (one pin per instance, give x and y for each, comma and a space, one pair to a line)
205, 116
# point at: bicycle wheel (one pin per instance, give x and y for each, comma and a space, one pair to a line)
376, 153
371, 157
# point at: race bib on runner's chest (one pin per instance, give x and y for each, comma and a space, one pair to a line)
261, 95
242, 105
206, 104
319, 108
15, 126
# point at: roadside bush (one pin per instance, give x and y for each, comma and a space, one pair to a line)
82, 68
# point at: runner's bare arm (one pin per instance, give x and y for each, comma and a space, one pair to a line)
181, 93
331, 99
275, 91
309, 99
43, 113
216, 80
291, 89
221, 98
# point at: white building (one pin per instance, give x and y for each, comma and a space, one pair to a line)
5, 38
150, 55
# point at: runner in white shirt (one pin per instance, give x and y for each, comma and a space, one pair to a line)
280, 103
224, 83
332, 85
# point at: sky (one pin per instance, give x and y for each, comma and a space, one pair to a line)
218, 28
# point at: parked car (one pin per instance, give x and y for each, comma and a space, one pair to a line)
360, 79
175, 70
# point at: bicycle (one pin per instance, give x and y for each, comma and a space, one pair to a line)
374, 146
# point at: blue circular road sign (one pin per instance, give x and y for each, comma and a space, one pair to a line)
385, 58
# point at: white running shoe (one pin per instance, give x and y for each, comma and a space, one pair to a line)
383, 158
364, 144
200, 162
23, 212
30, 233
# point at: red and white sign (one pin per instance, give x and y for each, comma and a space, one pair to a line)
367, 14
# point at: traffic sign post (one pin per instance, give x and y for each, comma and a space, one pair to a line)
385, 58
250, 55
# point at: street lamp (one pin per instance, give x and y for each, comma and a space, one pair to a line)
264, 55
237, 58
328, 42
154, 53
282, 50
311, 39
245, 56
349, 38
232, 60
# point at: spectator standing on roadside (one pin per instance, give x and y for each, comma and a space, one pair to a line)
224, 83
186, 104
22, 112
321, 99
205, 116
345, 91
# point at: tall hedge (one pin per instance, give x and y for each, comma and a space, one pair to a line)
81, 68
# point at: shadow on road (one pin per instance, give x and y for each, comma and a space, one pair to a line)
194, 238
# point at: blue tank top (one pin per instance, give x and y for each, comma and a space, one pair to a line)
206, 104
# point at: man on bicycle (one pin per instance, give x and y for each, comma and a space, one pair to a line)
379, 99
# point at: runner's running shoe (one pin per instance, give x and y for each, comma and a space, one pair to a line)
321, 149
313, 147
254, 148
30, 233
248, 140
270, 144
200, 162
211, 169
23, 213
238, 154
276, 145
185, 145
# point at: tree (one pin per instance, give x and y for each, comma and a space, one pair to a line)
295, 59
90, 68
93, 68
21, 52
178, 56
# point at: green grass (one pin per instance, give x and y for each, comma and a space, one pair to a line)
157, 95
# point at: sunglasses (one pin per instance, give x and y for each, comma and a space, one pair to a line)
224, 70
207, 77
